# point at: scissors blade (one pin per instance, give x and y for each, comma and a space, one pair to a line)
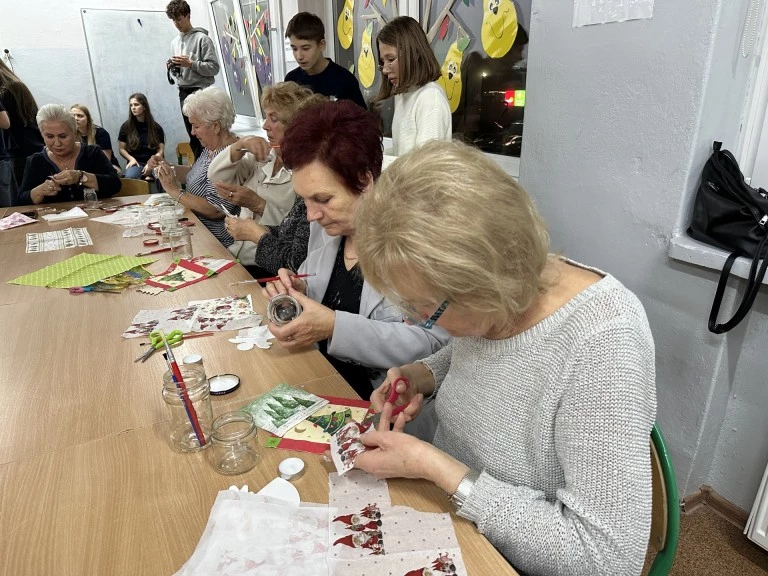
147, 354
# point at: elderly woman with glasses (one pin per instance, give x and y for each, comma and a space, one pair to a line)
211, 114
334, 151
65, 167
545, 398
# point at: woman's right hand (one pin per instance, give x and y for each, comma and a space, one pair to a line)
409, 394
256, 145
287, 280
47, 188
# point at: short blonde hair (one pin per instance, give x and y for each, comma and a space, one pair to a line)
286, 99
56, 113
450, 218
210, 105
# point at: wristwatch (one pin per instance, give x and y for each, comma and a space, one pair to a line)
463, 490
83, 178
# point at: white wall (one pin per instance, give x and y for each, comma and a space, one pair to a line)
619, 122
47, 42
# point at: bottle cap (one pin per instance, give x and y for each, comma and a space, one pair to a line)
223, 384
192, 359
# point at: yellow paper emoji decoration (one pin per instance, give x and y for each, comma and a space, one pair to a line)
499, 27
344, 26
450, 78
366, 67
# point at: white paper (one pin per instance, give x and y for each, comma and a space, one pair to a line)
249, 534
75, 212
588, 12
57, 240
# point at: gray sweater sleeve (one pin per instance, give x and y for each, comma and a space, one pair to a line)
599, 522
438, 364
208, 64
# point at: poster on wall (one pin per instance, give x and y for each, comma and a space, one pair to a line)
482, 48
235, 61
588, 12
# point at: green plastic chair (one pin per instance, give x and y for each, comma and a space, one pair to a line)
665, 519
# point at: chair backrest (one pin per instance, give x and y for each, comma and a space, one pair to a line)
665, 508
184, 150
132, 187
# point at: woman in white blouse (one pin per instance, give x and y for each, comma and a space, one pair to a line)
250, 172
422, 111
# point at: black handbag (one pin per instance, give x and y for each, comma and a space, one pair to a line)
729, 214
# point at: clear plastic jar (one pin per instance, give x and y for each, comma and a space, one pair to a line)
190, 413
235, 443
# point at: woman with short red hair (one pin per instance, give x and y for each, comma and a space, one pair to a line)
335, 154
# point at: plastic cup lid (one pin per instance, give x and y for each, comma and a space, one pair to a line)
223, 384
291, 468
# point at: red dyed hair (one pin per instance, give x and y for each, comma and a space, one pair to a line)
342, 136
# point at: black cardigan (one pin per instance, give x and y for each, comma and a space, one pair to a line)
91, 159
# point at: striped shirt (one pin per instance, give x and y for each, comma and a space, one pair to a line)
199, 185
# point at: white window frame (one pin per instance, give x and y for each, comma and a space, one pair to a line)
753, 118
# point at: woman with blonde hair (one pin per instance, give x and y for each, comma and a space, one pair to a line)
545, 397
211, 115
250, 173
92, 134
422, 111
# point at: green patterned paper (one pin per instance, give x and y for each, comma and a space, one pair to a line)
81, 270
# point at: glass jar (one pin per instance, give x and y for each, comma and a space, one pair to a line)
181, 243
190, 413
167, 220
235, 443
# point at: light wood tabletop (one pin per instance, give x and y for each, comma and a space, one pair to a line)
88, 481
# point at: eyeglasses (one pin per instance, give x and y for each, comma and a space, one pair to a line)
416, 318
387, 64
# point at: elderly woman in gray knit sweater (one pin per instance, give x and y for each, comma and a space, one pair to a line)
544, 399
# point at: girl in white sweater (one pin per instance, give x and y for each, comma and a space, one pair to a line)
422, 111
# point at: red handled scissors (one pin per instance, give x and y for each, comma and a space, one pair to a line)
392, 398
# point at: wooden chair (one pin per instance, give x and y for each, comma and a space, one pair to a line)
132, 187
184, 150
665, 515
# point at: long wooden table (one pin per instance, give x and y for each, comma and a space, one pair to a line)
88, 481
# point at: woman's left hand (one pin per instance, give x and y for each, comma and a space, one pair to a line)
67, 177
394, 454
315, 323
167, 176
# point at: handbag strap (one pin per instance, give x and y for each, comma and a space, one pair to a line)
754, 282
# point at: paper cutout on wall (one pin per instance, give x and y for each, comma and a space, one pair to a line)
366, 67
257, 25
345, 27
450, 79
499, 27
233, 58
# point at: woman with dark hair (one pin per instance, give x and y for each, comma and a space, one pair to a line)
22, 112
422, 111
92, 134
140, 138
334, 152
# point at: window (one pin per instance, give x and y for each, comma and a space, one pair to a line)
482, 46
244, 31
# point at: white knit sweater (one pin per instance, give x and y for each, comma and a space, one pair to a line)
420, 115
558, 422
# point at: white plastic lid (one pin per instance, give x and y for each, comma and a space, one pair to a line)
291, 468
192, 359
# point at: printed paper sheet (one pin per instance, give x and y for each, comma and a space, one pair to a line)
588, 12
283, 407
81, 270
57, 240
14, 220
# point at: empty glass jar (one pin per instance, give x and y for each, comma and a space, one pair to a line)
235, 443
